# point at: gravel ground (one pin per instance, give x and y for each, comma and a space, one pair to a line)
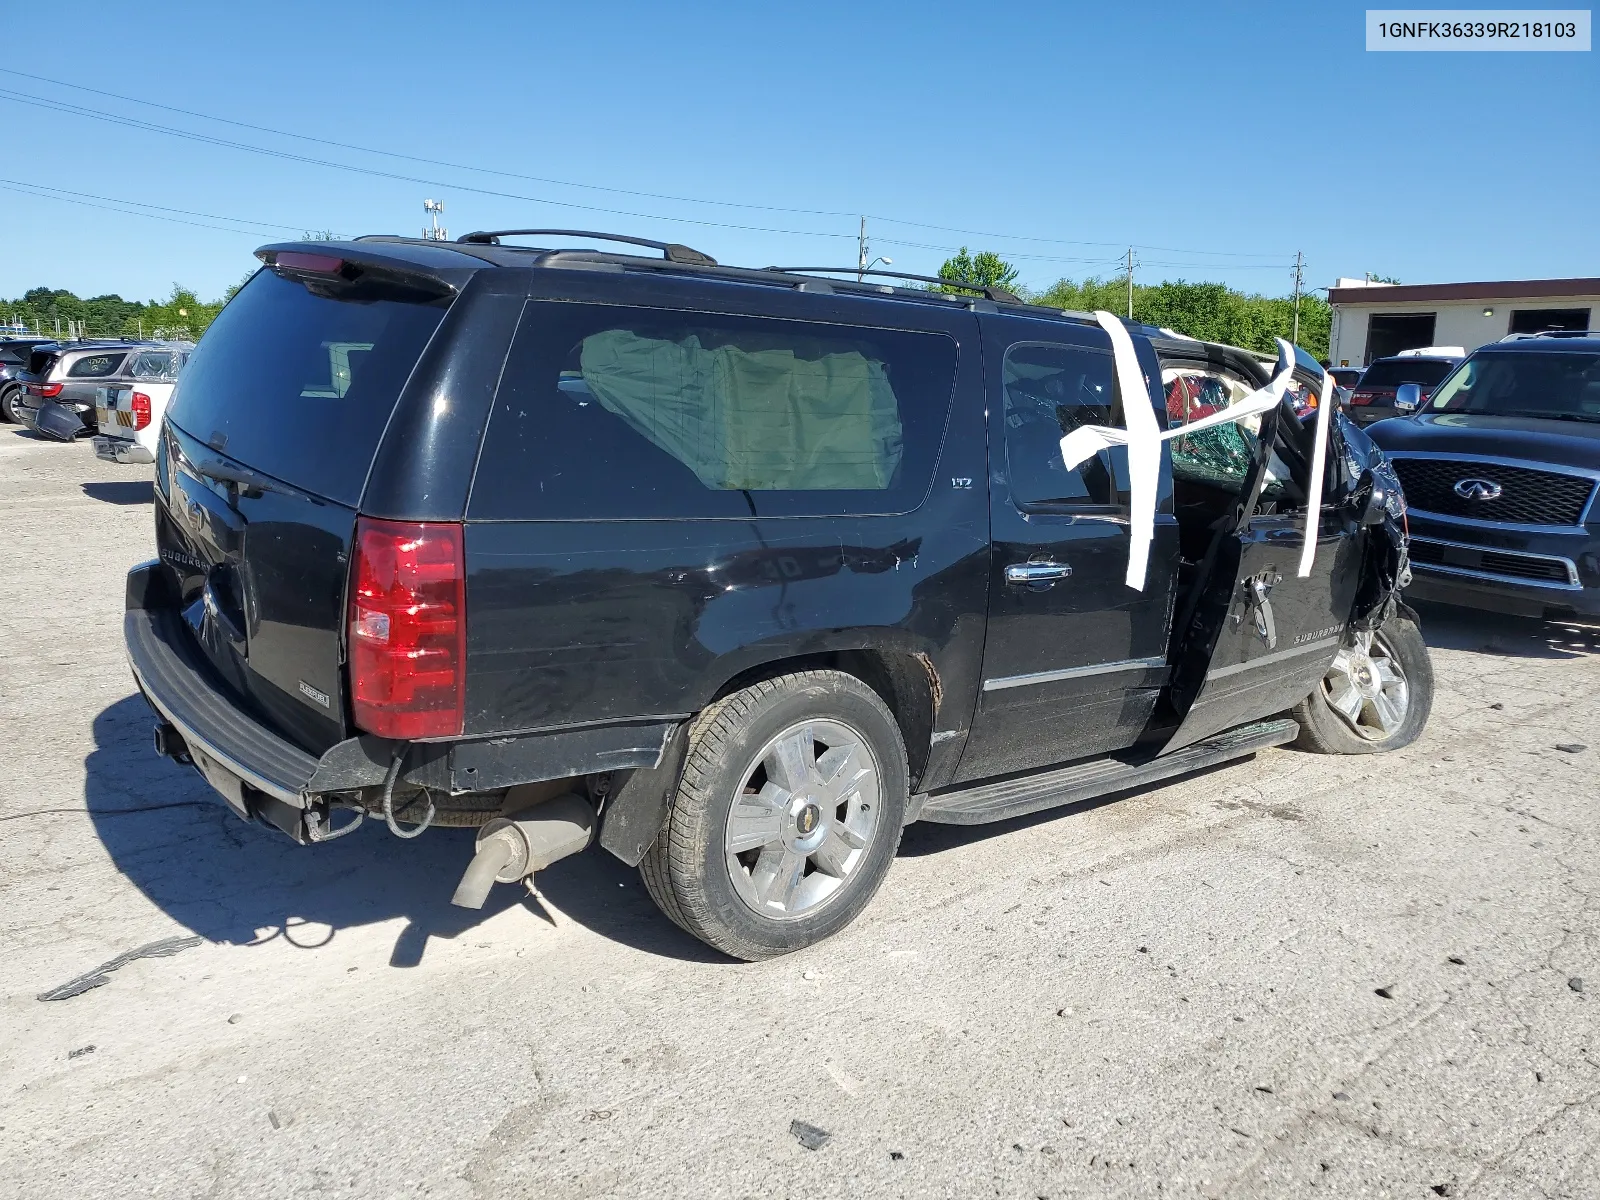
1364, 976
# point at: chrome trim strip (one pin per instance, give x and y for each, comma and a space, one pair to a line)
1279, 656
1506, 526
1106, 668
1573, 584
1525, 463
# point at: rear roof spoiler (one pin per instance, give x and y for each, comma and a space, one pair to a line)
437, 268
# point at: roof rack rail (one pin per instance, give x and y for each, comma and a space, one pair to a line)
671, 251
988, 290
1551, 333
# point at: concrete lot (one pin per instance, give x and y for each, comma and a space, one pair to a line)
1175, 994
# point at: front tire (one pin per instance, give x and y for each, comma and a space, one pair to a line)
1376, 695
786, 817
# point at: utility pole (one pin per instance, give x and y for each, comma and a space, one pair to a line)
861, 251
1130, 283
1299, 279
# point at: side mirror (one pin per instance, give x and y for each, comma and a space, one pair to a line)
1408, 397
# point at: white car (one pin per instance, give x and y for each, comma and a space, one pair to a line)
129, 411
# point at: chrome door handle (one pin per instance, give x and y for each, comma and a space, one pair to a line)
1037, 574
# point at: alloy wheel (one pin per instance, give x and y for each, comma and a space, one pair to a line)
1367, 687
803, 819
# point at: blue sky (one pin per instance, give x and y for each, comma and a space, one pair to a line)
1218, 141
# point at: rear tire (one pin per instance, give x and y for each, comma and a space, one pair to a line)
786, 817
1376, 696
8, 404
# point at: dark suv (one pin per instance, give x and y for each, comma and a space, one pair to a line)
742, 569
1372, 398
1502, 470
15, 355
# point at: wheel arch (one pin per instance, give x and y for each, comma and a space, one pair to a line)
902, 674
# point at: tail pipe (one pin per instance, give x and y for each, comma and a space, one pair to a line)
510, 849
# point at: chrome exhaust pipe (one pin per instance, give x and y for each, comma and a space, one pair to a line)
512, 849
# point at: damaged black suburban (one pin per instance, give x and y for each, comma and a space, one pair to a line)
736, 572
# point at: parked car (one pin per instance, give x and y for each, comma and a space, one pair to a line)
739, 570
15, 353
68, 376
129, 408
1373, 397
1501, 467
1344, 382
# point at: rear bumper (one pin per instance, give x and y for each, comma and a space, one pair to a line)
260, 775
264, 776
121, 450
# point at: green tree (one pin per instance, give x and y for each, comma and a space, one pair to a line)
985, 268
1212, 312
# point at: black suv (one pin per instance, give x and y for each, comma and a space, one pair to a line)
15, 356
1502, 470
743, 569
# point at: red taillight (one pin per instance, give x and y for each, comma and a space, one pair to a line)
141, 410
1363, 397
47, 390
408, 629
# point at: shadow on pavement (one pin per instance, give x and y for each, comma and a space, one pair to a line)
242, 884
131, 491
1446, 627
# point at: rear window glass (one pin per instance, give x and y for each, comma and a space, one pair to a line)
155, 366
1393, 372
95, 366
612, 412
300, 385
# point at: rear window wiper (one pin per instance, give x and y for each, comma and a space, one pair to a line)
224, 472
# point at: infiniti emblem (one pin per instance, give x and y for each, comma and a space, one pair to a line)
1478, 489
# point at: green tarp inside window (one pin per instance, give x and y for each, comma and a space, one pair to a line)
803, 414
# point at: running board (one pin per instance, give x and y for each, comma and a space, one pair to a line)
1099, 777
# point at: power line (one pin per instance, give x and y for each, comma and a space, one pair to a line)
432, 162
135, 123
41, 187
98, 114
28, 190
1017, 237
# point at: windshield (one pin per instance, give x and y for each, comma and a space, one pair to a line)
1392, 372
1524, 385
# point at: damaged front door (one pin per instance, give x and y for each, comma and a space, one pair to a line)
1254, 637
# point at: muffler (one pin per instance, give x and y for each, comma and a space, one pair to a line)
511, 849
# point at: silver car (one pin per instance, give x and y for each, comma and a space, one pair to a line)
73, 374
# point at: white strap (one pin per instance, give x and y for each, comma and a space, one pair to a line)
1143, 437
1319, 464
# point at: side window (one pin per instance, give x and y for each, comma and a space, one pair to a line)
608, 412
1222, 454
1050, 390
95, 366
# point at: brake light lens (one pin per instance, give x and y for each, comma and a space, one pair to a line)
140, 410
408, 629
1363, 397
48, 390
